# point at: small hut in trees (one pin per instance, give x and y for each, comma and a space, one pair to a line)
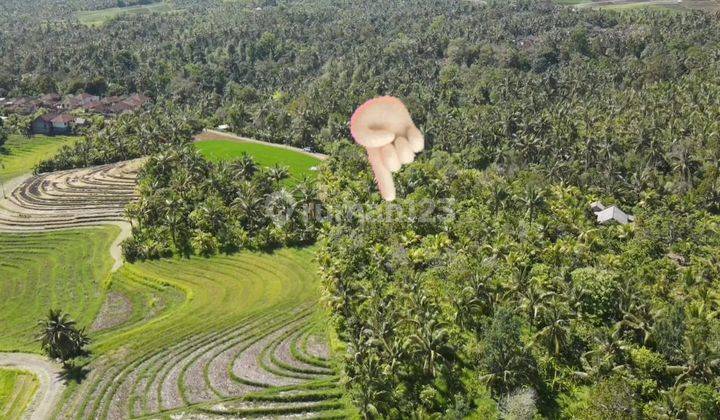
610, 214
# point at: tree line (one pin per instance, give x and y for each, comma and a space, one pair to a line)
189, 205
130, 136
488, 289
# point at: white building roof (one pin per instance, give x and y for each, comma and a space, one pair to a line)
223, 127
613, 213
597, 206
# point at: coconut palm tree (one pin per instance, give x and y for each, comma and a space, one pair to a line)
556, 330
244, 167
278, 173
60, 338
684, 162
532, 199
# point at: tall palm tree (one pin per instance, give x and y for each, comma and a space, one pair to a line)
278, 173
60, 338
533, 301
684, 162
244, 167
556, 330
533, 199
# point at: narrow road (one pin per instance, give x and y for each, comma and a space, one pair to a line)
51, 386
208, 134
48, 374
116, 247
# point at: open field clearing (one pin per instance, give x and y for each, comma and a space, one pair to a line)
39, 271
19, 154
211, 335
209, 135
99, 17
298, 164
17, 389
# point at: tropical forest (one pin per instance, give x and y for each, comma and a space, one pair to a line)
190, 226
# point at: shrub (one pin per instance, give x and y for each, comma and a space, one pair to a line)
519, 404
596, 291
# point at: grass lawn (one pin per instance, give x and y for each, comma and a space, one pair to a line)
64, 269
299, 164
19, 154
17, 389
99, 17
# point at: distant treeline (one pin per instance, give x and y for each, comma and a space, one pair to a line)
130, 136
488, 289
292, 73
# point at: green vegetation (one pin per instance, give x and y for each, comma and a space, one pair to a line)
129, 136
3, 133
488, 288
190, 320
60, 337
278, 77
189, 205
17, 389
101, 16
508, 278
174, 308
298, 164
20, 154
64, 269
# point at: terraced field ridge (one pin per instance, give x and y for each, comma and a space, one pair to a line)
30, 386
72, 198
228, 336
17, 388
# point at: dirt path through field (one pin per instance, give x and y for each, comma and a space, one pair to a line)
116, 248
48, 374
9, 186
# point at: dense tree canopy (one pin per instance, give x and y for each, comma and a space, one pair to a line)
292, 73
191, 206
130, 136
488, 287
495, 279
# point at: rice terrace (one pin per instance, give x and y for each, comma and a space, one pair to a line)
342, 209
237, 335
